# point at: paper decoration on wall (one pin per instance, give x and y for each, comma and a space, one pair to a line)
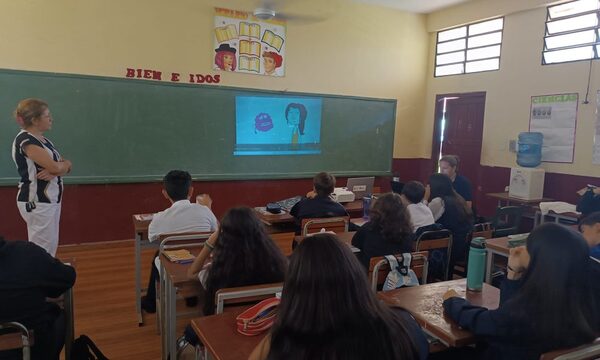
596, 154
555, 116
246, 44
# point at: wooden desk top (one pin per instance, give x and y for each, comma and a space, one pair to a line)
498, 244
504, 196
141, 223
353, 208
425, 303
218, 333
178, 272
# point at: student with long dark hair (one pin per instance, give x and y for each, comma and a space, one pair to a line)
450, 210
388, 232
546, 302
242, 254
328, 311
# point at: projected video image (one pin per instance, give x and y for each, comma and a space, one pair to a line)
279, 125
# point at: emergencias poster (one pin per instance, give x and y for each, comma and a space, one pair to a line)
555, 116
246, 44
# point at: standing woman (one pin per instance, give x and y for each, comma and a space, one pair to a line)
40, 168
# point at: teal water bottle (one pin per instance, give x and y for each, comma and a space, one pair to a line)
476, 264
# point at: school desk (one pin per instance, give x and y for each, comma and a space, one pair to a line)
172, 277
424, 302
495, 247
570, 217
346, 237
504, 200
354, 209
219, 335
140, 226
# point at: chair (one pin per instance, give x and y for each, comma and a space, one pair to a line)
229, 297
584, 352
436, 240
173, 242
335, 224
20, 338
284, 242
483, 230
379, 268
506, 221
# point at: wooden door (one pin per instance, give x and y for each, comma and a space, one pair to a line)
463, 134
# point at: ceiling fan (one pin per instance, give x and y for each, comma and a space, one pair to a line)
270, 9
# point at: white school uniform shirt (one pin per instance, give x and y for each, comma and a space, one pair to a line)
420, 215
437, 208
182, 216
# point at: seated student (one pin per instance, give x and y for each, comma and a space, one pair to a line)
181, 216
450, 210
412, 196
328, 311
462, 185
29, 275
590, 229
388, 232
545, 302
318, 203
242, 254
589, 201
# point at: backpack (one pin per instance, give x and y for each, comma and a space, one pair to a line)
83, 348
400, 275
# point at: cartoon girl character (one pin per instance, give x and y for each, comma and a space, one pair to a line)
225, 57
295, 114
271, 61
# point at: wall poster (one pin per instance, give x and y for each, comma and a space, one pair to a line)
246, 44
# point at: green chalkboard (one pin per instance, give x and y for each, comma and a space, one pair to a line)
124, 130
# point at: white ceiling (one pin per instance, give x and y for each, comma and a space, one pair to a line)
415, 6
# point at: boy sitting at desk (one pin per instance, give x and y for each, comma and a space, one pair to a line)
28, 275
182, 216
318, 203
412, 196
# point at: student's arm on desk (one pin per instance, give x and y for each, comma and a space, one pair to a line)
261, 351
477, 319
200, 260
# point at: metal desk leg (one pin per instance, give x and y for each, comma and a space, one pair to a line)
162, 312
70, 321
172, 319
488, 267
138, 280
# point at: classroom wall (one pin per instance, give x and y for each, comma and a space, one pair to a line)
357, 49
509, 89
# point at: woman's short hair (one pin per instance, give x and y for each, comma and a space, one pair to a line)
30, 109
324, 183
452, 160
392, 218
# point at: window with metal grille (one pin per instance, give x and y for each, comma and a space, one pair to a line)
572, 32
470, 48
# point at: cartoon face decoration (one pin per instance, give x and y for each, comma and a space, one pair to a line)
263, 122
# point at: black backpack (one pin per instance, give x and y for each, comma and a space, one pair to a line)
83, 348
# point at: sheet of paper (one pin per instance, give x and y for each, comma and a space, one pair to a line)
555, 116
